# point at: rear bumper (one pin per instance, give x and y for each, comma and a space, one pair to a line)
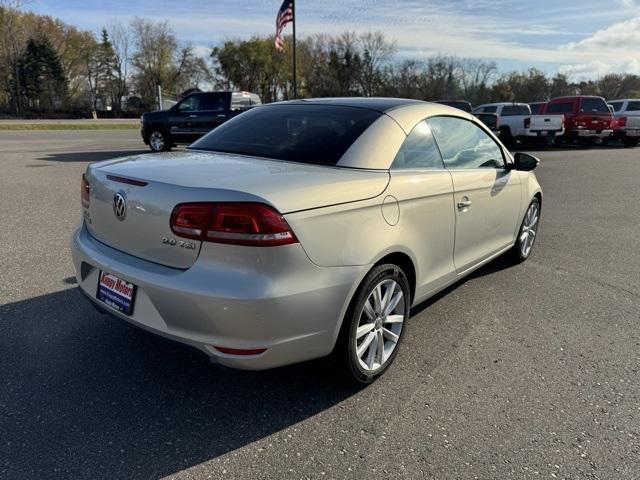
545, 133
627, 132
293, 312
591, 133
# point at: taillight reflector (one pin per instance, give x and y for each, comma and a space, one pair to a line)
241, 351
237, 223
85, 191
622, 121
527, 122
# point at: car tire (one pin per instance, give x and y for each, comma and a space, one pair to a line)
158, 141
377, 313
527, 233
631, 141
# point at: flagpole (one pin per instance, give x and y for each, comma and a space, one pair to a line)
295, 85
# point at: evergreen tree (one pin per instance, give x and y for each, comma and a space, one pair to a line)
43, 82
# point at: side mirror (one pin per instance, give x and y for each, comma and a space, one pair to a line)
525, 162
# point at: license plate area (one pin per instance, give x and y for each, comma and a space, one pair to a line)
116, 293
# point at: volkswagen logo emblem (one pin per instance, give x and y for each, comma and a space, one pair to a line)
120, 206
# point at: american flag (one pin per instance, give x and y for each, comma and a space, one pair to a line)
285, 16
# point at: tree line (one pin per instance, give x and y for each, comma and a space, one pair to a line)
49, 67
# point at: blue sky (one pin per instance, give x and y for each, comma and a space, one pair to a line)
584, 39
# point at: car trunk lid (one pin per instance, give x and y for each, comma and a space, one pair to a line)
150, 186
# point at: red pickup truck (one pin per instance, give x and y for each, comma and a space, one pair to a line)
587, 119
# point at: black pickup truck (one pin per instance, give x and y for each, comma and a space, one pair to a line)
192, 117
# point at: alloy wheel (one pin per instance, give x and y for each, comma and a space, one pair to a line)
380, 324
529, 230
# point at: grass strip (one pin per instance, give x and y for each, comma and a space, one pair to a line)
68, 126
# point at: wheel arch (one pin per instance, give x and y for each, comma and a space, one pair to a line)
397, 257
407, 265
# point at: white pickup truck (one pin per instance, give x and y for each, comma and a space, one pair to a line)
626, 121
517, 123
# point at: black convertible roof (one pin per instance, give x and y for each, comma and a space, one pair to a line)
380, 104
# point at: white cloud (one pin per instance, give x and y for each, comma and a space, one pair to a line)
598, 68
612, 49
619, 36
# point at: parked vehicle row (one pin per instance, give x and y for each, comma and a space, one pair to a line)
582, 119
586, 120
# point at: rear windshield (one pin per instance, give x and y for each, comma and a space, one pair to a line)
593, 105
466, 106
561, 107
513, 110
313, 134
616, 106
535, 108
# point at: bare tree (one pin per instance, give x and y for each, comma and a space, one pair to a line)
376, 52
475, 76
155, 48
122, 44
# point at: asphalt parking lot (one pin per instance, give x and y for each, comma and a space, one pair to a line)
518, 372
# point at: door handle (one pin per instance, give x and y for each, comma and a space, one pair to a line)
192, 116
222, 115
464, 204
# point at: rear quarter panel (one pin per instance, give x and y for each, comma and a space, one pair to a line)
414, 216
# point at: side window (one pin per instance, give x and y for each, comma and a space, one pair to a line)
465, 145
212, 102
493, 109
419, 150
633, 106
189, 104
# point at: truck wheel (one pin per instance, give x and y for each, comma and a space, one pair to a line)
158, 141
631, 141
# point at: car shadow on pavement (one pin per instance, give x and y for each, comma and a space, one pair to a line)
82, 395
91, 156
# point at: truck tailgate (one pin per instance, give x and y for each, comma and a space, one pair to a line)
547, 123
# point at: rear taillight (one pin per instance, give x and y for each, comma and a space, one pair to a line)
238, 223
527, 122
85, 191
622, 121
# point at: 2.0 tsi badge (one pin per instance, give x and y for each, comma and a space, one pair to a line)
120, 206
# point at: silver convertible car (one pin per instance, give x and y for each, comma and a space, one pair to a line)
303, 229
